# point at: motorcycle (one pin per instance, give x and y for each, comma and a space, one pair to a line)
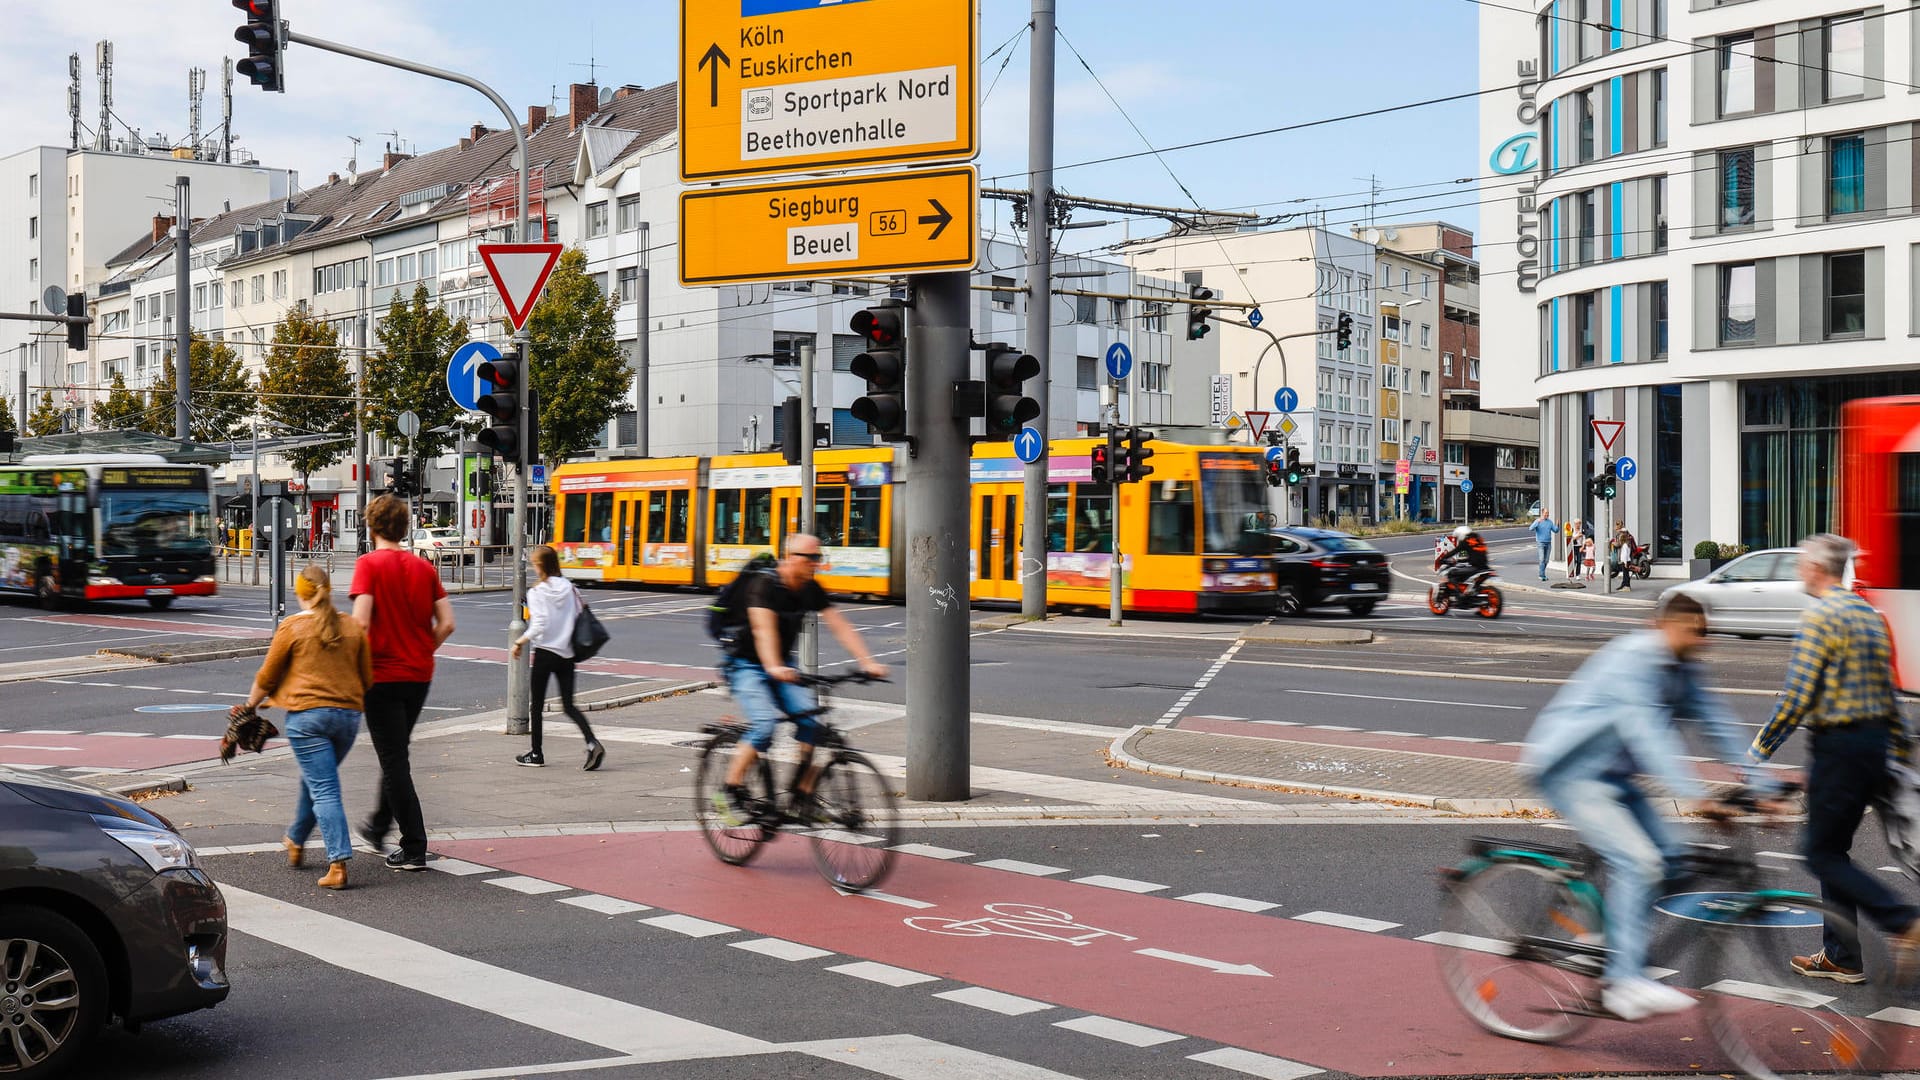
1640, 563
1477, 594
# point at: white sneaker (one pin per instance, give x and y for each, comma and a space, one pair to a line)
1637, 999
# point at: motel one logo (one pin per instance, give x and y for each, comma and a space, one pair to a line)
1517, 155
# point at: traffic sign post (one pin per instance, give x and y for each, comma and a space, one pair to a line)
1608, 432
519, 273
1119, 361
1028, 444
787, 86
904, 222
464, 384
1286, 399
1257, 423
1626, 468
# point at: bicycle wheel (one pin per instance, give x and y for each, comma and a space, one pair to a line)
1530, 992
735, 842
853, 847
1772, 1021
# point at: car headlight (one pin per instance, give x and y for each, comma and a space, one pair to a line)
206, 579
107, 581
160, 850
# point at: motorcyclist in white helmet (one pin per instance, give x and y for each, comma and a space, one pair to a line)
1467, 557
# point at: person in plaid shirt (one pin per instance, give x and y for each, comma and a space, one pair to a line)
1840, 686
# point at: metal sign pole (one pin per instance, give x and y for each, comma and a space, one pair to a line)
810, 629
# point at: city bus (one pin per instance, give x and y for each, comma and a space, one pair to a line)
1880, 511
77, 528
695, 521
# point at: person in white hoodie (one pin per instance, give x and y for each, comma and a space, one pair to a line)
552, 606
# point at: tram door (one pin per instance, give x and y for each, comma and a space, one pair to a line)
996, 540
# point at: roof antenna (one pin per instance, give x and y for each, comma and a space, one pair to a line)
353, 163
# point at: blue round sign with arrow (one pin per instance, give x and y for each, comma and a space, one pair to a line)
1626, 468
1119, 361
463, 373
1028, 444
1466, 487
1275, 453
1286, 399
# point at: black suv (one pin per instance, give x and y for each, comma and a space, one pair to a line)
104, 913
1321, 567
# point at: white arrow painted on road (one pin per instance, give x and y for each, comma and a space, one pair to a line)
1218, 966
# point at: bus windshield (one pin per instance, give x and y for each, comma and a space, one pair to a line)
149, 522
1234, 503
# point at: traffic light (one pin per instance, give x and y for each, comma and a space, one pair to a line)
266, 47
1272, 472
1007, 406
512, 426
1103, 461
77, 331
399, 481
1607, 484
1343, 335
1197, 326
1295, 473
1135, 467
479, 483
884, 367
792, 430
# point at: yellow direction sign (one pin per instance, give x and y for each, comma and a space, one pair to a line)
784, 86
904, 222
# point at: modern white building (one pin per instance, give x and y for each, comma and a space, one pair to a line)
1700, 223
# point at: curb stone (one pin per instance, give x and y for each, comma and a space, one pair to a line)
188, 652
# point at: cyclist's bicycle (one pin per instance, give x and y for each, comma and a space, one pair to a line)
1526, 956
851, 820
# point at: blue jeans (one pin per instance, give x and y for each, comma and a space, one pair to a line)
1617, 821
321, 739
767, 701
1546, 553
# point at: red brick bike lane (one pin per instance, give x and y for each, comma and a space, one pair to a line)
1338, 999
128, 751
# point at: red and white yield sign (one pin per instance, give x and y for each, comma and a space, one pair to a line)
1608, 431
520, 272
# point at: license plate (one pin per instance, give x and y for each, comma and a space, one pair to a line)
159, 592
1364, 586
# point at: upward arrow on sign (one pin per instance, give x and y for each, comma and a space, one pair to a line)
1608, 431
519, 273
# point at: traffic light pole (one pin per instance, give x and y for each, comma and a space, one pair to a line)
810, 628
1033, 511
938, 610
183, 304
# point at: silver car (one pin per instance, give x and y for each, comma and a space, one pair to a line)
1755, 594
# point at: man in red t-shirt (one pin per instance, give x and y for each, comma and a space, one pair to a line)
398, 598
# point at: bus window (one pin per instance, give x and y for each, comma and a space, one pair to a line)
573, 520
756, 517
726, 517
600, 517
863, 518
1170, 519
1056, 517
1092, 518
830, 515
677, 534
1231, 492
1906, 510
656, 517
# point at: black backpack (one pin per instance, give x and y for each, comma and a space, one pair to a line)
727, 615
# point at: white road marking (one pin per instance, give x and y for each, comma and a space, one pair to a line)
929, 851
605, 905
841, 836
993, 1001
1120, 883
885, 974
1018, 867
1252, 1064
188, 736
1780, 855
886, 898
1468, 941
459, 867
1218, 967
1894, 1014
528, 885
1277, 723
688, 925
46, 731
1221, 900
1186, 699
780, 949
1119, 1031
1458, 738
1331, 727
1346, 922
1779, 995
910, 1057
1409, 700
124, 734
1399, 734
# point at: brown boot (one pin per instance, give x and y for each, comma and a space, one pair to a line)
336, 877
294, 851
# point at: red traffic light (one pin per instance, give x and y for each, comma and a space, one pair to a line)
878, 325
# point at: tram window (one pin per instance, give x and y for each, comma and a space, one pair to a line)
1056, 517
830, 515
1092, 519
726, 517
677, 533
600, 517
756, 517
656, 517
1170, 520
573, 519
863, 518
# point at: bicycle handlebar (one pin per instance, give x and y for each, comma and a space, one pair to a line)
836, 680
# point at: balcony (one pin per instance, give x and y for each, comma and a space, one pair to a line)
1498, 428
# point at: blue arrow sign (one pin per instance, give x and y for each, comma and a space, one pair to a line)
1275, 453
1119, 361
1285, 399
1254, 318
463, 373
1466, 487
1626, 468
1028, 444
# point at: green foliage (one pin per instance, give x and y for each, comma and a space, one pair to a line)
220, 397
121, 410
6, 414
578, 367
1733, 551
306, 389
46, 418
410, 372
1706, 549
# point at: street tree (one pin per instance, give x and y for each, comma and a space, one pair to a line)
6, 414
579, 370
46, 418
306, 389
122, 410
410, 372
220, 398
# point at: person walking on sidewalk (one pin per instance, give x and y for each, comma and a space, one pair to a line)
318, 668
552, 606
398, 599
1543, 531
1840, 685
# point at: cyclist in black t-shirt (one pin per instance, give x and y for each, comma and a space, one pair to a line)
759, 666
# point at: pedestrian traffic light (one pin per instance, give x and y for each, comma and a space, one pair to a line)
266, 44
1272, 472
77, 331
1343, 334
884, 366
512, 428
1103, 462
1007, 406
398, 481
1295, 473
479, 483
1197, 326
793, 431
1135, 468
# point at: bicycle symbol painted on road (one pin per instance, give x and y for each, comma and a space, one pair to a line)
1019, 921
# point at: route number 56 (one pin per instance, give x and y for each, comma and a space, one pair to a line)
887, 222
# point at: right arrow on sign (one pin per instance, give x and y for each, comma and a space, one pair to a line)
939, 219
713, 58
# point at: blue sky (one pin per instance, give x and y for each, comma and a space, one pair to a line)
1183, 72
